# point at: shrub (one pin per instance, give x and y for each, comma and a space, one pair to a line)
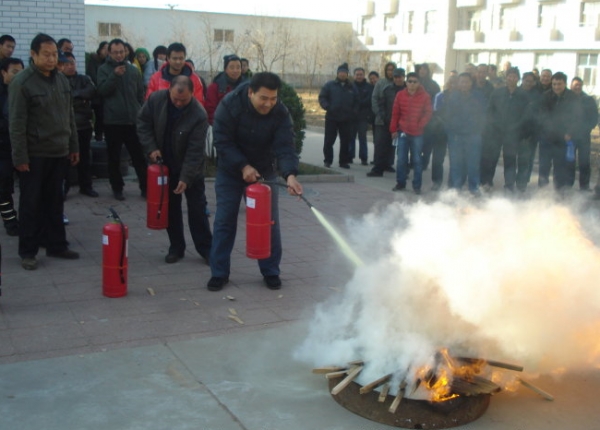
289, 97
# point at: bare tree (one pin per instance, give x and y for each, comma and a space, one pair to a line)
270, 43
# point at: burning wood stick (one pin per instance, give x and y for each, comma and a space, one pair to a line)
372, 385
493, 363
329, 369
398, 399
537, 390
346, 381
356, 363
384, 392
336, 374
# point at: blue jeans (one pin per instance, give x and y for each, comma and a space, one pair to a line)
414, 144
230, 189
465, 160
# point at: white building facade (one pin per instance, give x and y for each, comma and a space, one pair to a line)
559, 35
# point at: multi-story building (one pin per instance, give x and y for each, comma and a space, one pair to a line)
562, 35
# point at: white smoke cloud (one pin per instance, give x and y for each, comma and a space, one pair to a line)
495, 279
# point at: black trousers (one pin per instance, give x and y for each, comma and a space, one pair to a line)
84, 168
98, 109
197, 218
41, 206
384, 150
116, 137
346, 131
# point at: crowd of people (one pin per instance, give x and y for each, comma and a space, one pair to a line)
478, 116
160, 109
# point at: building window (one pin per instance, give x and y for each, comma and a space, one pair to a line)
547, 15
430, 21
408, 21
473, 58
508, 18
223, 35
388, 22
109, 29
588, 15
587, 68
543, 61
470, 20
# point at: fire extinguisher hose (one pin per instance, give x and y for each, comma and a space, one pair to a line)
116, 217
279, 184
162, 188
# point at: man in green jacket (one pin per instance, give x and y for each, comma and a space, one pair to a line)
121, 87
44, 138
172, 125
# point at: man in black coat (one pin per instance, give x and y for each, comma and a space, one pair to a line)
252, 132
582, 139
340, 100
172, 125
364, 91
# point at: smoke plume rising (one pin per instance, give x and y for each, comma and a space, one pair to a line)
495, 279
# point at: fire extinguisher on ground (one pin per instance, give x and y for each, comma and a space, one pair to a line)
114, 257
157, 197
258, 221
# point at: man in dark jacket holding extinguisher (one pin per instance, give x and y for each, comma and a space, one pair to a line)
172, 126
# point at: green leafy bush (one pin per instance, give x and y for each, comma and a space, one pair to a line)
289, 97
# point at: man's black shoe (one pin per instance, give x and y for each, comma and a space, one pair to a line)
273, 282
374, 174
364, 163
328, 165
119, 195
216, 284
173, 258
399, 187
390, 169
66, 254
90, 192
344, 166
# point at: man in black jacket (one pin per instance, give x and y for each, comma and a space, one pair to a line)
559, 117
43, 137
364, 91
582, 139
251, 130
340, 100
505, 121
172, 125
83, 92
9, 67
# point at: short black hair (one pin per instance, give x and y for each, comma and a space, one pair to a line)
467, 75
40, 38
577, 79
413, 75
373, 73
493, 67
176, 47
268, 80
116, 41
559, 76
68, 55
182, 81
8, 61
528, 74
358, 69
101, 46
244, 59
514, 71
160, 49
7, 38
61, 42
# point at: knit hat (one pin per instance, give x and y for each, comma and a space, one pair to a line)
343, 68
228, 58
143, 51
399, 72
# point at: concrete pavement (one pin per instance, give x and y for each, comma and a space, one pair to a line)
73, 359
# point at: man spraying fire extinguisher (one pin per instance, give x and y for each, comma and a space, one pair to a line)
172, 126
251, 130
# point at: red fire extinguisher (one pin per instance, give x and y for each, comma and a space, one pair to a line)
258, 221
114, 257
157, 201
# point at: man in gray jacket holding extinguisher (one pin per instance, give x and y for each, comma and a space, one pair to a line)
172, 126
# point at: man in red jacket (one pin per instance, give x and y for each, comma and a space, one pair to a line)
410, 115
175, 66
